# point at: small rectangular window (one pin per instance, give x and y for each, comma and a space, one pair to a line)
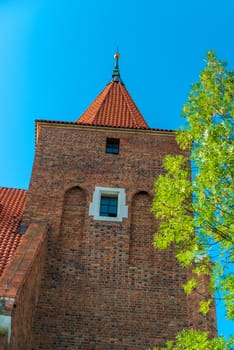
112, 146
109, 206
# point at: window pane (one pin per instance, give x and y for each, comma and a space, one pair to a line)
112, 146
108, 206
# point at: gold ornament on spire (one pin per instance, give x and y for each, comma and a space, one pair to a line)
116, 73
116, 55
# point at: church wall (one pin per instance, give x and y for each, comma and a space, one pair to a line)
104, 286
141, 251
75, 156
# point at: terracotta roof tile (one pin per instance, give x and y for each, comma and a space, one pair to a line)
101, 126
114, 107
12, 203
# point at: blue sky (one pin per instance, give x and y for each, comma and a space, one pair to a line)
56, 56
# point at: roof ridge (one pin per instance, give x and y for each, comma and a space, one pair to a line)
106, 95
92, 118
12, 188
130, 109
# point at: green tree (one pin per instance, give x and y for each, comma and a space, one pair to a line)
194, 340
197, 215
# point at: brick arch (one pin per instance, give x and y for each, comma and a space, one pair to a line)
72, 224
74, 186
143, 226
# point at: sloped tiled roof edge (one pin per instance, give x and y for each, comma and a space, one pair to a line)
102, 126
12, 202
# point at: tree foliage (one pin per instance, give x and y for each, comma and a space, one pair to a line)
194, 340
196, 211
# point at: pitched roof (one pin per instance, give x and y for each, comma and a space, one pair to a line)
12, 203
114, 107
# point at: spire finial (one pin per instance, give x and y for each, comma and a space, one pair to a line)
116, 73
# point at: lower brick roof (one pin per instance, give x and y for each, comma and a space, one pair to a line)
12, 202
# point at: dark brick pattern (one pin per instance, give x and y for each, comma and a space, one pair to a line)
20, 285
104, 286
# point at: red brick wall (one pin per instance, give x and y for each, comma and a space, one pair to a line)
3, 342
104, 286
198, 320
143, 226
20, 285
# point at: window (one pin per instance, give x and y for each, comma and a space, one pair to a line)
108, 204
112, 146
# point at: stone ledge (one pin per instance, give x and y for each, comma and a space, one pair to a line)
18, 269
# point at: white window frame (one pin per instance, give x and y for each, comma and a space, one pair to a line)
122, 209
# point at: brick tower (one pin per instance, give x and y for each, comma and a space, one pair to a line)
103, 285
